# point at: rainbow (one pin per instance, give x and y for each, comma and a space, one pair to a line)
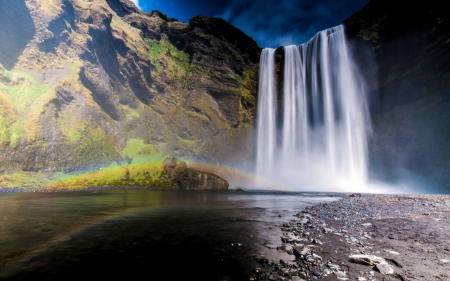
76, 230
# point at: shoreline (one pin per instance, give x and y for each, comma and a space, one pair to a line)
409, 232
94, 188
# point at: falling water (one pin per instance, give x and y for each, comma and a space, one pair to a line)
320, 141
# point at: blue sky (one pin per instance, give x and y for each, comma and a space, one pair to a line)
270, 22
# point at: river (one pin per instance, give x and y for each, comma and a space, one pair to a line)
157, 235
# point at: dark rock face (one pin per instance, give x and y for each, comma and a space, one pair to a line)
14, 15
405, 57
191, 179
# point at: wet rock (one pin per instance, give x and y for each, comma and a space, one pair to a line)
444, 261
296, 278
385, 268
367, 260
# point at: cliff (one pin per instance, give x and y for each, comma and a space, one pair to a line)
403, 49
85, 85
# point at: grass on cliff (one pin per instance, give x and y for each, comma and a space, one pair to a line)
22, 96
141, 166
161, 50
24, 179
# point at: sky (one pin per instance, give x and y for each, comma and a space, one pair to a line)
271, 23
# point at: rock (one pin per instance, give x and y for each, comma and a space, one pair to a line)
258, 271
385, 268
334, 267
296, 278
367, 260
391, 252
301, 250
191, 179
356, 195
444, 261
327, 272
270, 246
340, 274
239, 189
316, 241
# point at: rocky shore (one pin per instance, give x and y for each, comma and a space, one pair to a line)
366, 237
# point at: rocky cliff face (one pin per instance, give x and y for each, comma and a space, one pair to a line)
82, 80
409, 83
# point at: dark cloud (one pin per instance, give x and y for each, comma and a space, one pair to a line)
284, 22
270, 22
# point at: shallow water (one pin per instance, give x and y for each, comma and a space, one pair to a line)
161, 235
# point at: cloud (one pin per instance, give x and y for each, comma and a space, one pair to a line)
136, 2
285, 22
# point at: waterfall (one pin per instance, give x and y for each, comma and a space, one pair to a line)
319, 140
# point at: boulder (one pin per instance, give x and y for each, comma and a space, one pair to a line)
191, 179
370, 260
385, 268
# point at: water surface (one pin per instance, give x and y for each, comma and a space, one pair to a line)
161, 235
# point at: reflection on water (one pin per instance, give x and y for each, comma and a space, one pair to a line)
163, 235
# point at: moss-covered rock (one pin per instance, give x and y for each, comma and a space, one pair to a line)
191, 179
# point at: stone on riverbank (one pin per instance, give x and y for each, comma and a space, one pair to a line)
385, 268
370, 260
191, 179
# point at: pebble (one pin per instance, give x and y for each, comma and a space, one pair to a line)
347, 219
367, 259
385, 268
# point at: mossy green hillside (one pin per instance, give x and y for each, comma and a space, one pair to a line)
23, 99
140, 165
24, 179
163, 53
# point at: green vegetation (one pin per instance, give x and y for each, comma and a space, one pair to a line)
192, 145
141, 165
130, 113
24, 96
163, 51
24, 179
